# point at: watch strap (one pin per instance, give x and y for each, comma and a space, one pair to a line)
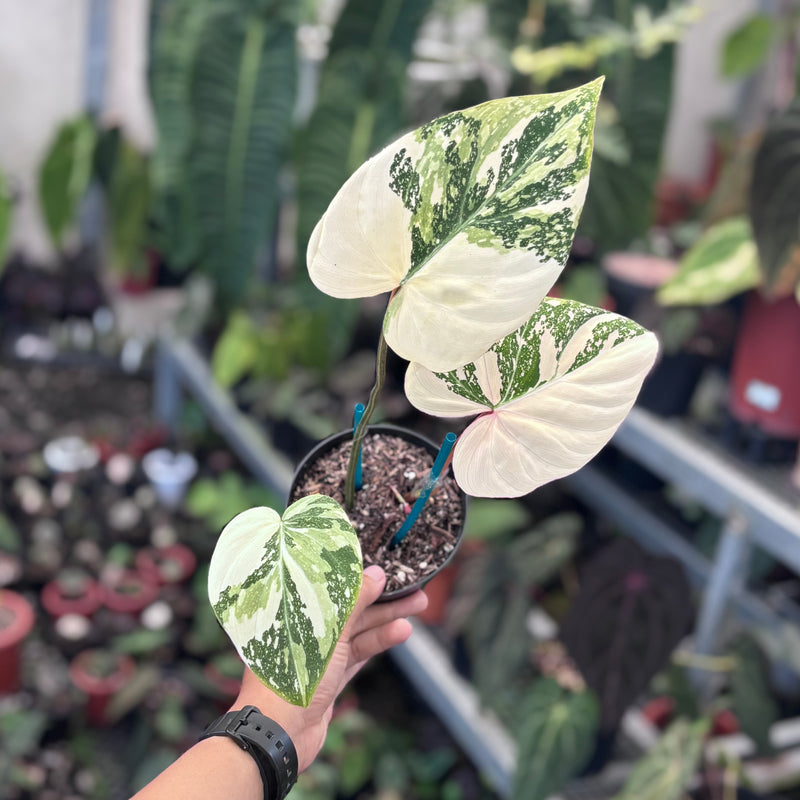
268, 744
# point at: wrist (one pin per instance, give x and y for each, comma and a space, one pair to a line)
266, 742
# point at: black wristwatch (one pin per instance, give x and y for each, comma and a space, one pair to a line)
267, 743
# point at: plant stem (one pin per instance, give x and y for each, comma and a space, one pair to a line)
361, 430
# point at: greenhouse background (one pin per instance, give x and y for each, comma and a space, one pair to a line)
630, 630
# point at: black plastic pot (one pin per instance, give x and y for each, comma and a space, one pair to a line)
336, 439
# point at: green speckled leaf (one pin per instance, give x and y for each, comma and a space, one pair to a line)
549, 396
722, 263
283, 589
664, 773
470, 218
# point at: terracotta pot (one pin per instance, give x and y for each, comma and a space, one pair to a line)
338, 438
58, 600
166, 565
765, 381
129, 592
99, 688
16, 621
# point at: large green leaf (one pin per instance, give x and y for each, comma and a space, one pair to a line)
775, 202
6, 206
548, 396
665, 772
470, 219
555, 740
283, 589
129, 207
748, 47
243, 94
722, 263
65, 174
178, 27
753, 700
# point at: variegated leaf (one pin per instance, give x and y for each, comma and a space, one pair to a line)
722, 263
470, 218
549, 396
283, 589
665, 772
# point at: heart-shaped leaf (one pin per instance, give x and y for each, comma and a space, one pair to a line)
722, 263
550, 395
283, 589
470, 218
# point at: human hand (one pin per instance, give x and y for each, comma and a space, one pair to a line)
372, 629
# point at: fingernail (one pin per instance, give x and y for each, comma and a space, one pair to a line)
375, 572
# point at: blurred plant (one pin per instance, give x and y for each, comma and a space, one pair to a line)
223, 82
64, 176
81, 152
554, 725
364, 758
669, 767
217, 501
759, 250
560, 44
21, 730
360, 104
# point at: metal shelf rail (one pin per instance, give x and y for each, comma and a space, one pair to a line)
754, 514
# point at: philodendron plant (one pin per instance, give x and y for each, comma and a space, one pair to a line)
467, 222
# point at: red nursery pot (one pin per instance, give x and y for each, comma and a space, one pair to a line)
100, 681
129, 592
164, 565
16, 622
60, 597
765, 379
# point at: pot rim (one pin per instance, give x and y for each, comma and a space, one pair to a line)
328, 443
22, 623
92, 684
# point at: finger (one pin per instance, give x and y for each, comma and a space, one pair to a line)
377, 640
381, 613
372, 584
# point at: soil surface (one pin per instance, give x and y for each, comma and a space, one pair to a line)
393, 472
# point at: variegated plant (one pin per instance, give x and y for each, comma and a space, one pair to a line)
547, 397
467, 221
283, 589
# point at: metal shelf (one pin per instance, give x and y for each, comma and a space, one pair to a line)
754, 513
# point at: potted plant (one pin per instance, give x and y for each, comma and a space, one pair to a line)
100, 674
127, 591
72, 592
16, 622
466, 222
172, 564
754, 253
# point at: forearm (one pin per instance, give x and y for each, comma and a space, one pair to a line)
214, 768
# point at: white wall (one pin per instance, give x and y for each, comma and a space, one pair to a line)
43, 47
42, 43
700, 95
